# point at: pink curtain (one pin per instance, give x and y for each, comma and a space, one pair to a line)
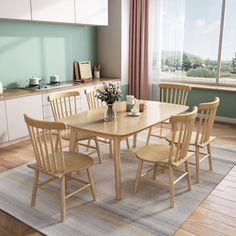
138, 49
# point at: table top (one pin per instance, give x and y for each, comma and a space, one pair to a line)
93, 121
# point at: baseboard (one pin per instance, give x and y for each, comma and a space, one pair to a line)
223, 119
226, 119
14, 142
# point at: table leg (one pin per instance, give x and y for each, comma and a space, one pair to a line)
73, 139
135, 140
116, 143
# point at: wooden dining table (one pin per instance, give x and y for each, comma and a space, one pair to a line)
92, 123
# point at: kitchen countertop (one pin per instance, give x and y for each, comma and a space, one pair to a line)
18, 92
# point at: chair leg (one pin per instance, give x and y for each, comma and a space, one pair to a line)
77, 147
63, 199
188, 176
209, 157
171, 186
92, 183
149, 135
110, 147
135, 140
98, 150
197, 153
127, 143
35, 187
89, 142
57, 143
140, 166
154, 171
161, 131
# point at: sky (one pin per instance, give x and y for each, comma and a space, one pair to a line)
193, 26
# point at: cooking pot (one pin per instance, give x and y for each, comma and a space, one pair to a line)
33, 80
54, 78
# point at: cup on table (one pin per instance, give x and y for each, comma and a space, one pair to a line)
142, 107
130, 102
135, 111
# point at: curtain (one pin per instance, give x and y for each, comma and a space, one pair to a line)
166, 37
156, 40
138, 49
154, 48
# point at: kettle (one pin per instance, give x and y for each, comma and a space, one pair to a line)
33, 81
54, 78
1, 89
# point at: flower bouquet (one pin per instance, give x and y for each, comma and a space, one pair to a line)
109, 93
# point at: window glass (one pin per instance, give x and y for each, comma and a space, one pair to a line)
189, 41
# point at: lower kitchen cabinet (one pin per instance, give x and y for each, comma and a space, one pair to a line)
12, 124
15, 110
3, 123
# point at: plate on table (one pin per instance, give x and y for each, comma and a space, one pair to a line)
134, 115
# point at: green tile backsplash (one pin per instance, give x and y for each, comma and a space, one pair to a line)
40, 49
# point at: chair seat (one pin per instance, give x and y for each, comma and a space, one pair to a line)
74, 161
159, 153
81, 136
154, 153
192, 140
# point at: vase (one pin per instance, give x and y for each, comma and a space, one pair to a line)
110, 114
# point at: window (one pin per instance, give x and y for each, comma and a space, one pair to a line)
193, 46
228, 58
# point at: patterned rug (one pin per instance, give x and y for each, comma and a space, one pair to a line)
145, 213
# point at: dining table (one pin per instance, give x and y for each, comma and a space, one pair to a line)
92, 123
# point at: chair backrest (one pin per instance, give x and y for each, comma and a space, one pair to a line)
207, 114
64, 104
44, 144
92, 100
174, 93
182, 127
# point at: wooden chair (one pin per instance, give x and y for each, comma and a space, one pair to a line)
202, 137
66, 104
54, 162
93, 103
169, 156
170, 93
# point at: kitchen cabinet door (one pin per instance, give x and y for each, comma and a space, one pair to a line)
16, 108
91, 12
53, 10
15, 9
3, 123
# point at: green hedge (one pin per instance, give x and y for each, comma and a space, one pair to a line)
201, 72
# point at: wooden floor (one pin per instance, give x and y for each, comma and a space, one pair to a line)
216, 215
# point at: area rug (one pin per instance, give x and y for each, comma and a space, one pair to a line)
145, 213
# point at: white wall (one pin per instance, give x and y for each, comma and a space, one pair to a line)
113, 41
125, 41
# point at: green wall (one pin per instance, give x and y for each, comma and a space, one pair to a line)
41, 49
125, 90
227, 107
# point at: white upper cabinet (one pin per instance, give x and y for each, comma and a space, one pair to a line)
15, 9
53, 10
91, 12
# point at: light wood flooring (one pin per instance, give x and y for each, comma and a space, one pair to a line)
216, 215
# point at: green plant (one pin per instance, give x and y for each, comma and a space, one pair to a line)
201, 72
109, 93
